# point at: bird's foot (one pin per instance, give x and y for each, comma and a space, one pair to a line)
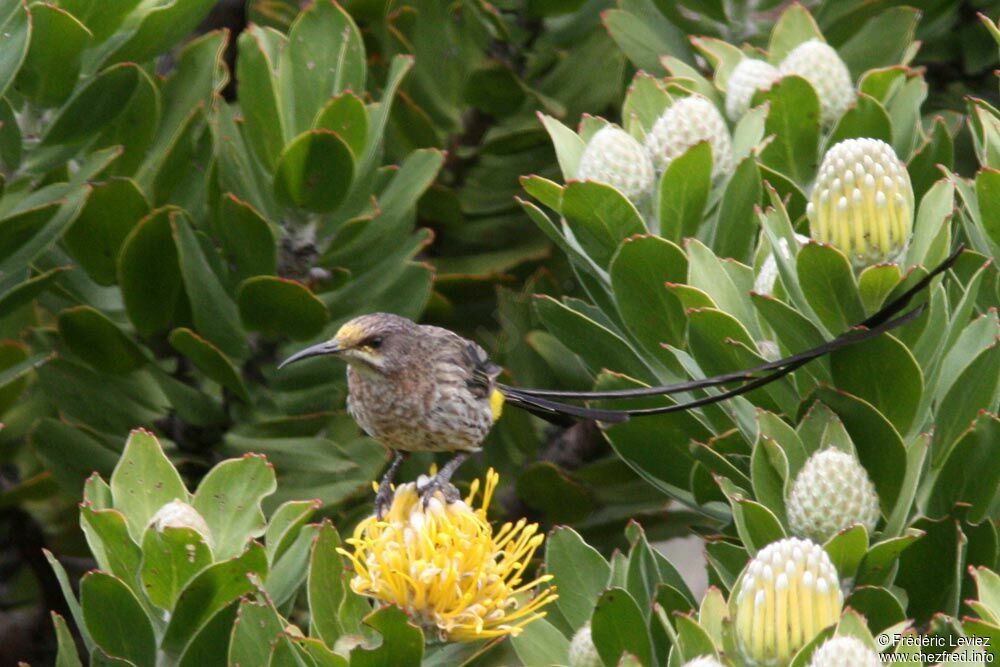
427, 487
383, 500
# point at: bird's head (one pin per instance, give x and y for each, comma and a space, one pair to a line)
374, 342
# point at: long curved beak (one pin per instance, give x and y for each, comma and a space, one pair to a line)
327, 347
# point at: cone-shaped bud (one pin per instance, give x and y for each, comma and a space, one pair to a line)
818, 63
830, 493
787, 594
844, 652
686, 122
704, 661
178, 514
613, 157
862, 202
749, 76
582, 652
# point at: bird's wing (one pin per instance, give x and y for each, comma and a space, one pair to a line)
764, 373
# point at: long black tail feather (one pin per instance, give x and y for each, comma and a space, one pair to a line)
883, 315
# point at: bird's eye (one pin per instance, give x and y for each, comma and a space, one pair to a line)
375, 342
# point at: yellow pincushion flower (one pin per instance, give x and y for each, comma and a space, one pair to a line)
446, 568
787, 594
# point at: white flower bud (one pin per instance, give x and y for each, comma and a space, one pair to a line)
613, 157
862, 202
844, 652
747, 78
830, 493
179, 514
582, 652
686, 122
818, 63
787, 594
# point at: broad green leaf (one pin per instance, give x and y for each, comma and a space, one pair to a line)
144, 481
707, 272
247, 239
876, 282
939, 148
938, 556
975, 389
600, 218
402, 642
116, 620
683, 191
326, 585
829, 285
736, 226
35, 231
756, 525
213, 310
883, 372
50, 69
324, 57
93, 106
66, 646
18, 229
27, 291
161, 27
213, 589
568, 145
881, 41
645, 101
793, 122
866, 118
70, 454
580, 572
639, 271
229, 499
284, 525
15, 34
265, 130
96, 237
846, 549
770, 475
256, 627
11, 141
644, 39
974, 450
988, 194
171, 557
795, 26
541, 643
931, 238
210, 360
346, 115
152, 299
101, 18
210, 645
98, 341
108, 538
289, 571
280, 307
618, 627
880, 608
314, 171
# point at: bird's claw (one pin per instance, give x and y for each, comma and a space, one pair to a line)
429, 486
383, 501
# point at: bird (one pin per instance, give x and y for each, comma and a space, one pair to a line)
422, 388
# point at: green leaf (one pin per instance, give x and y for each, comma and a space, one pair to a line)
846, 549
152, 298
213, 589
314, 171
618, 627
976, 449
90, 335
211, 645
580, 572
214, 311
644, 39
116, 620
96, 237
326, 585
402, 642
229, 499
931, 238
256, 627
171, 557
209, 360
736, 226
144, 481
101, 18
281, 307
938, 149
793, 121
988, 194
27, 291
541, 643
262, 118
880, 42
756, 525
865, 118
346, 115
600, 218
160, 27
795, 26
828, 284
880, 608
70, 454
883, 372
284, 525
973, 390
876, 282
729, 290
15, 33
639, 271
247, 239
67, 655
289, 571
94, 105
51, 67
683, 192
939, 557
17, 229
108, 538
324, 57
567, 143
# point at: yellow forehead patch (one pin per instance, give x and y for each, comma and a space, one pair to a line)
349, 334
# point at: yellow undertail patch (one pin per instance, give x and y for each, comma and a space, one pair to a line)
496, 404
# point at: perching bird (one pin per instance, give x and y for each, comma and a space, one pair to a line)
420, 388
